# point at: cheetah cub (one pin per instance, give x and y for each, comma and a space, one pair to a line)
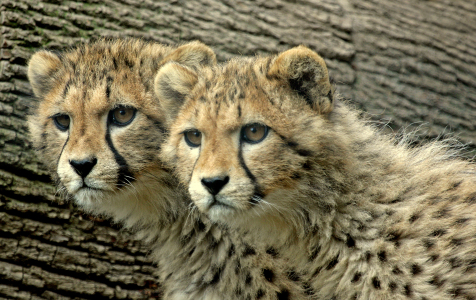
98, 127
265, 145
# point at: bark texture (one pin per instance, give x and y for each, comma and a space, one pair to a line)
405, 62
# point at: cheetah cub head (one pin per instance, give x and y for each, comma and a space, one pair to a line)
98, 124
245, 132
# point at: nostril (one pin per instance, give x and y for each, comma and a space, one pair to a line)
83, 167
215, 184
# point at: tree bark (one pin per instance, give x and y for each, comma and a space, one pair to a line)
407, 63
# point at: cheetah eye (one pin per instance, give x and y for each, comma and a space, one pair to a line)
254, 133
193, 137
61, 121
122, 115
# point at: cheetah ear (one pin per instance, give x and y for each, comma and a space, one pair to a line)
172, 84
41, 72
193, 55
306, 73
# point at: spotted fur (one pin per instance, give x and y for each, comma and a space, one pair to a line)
114, 170
358, 214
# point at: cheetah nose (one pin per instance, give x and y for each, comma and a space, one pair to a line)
83, 167
215, 184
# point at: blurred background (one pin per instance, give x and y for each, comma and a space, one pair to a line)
409, 64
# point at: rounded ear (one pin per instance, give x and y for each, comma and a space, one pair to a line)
306, 73
194, 55
41, 69
172, 84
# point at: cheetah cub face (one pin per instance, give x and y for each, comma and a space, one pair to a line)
98, 125
246, 129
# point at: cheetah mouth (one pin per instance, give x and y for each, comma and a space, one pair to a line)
217, 203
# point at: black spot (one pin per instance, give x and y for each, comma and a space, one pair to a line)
396, 271
443, 213
356, 277
109, 81
307, 166
248, 251
314, 252
394, 237
216, 276
438, 232
413, 218
201, 226
457, 242
428, 243
272, 251
376, 283
456, 292
66, 88
455, 185
238, 292
283, 295
382, 256
436, 281
128, 63
415, 269
392, 286
292, 144
368, 256
248, 279
239, 111
191, 251
231, 251
333, 263
407, 290
350, 242
303, 152
471, 199
268, 275
260, 294
292, 275
434, 257
295, 176
461, 221
455, 262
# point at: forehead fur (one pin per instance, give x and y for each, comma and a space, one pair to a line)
241, 92
91, 63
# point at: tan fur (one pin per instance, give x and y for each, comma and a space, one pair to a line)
197, 259
358, 214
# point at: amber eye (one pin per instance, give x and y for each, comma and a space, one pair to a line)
122, 115
62, 122
193, 137
254, 133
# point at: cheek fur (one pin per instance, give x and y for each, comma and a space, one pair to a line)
274, 165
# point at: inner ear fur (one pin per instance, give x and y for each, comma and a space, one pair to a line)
306, 73
172, 84
41, 72
193, 55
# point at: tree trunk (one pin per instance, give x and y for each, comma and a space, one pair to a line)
404, 62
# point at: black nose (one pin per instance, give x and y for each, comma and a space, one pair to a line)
215, 184
83, 167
